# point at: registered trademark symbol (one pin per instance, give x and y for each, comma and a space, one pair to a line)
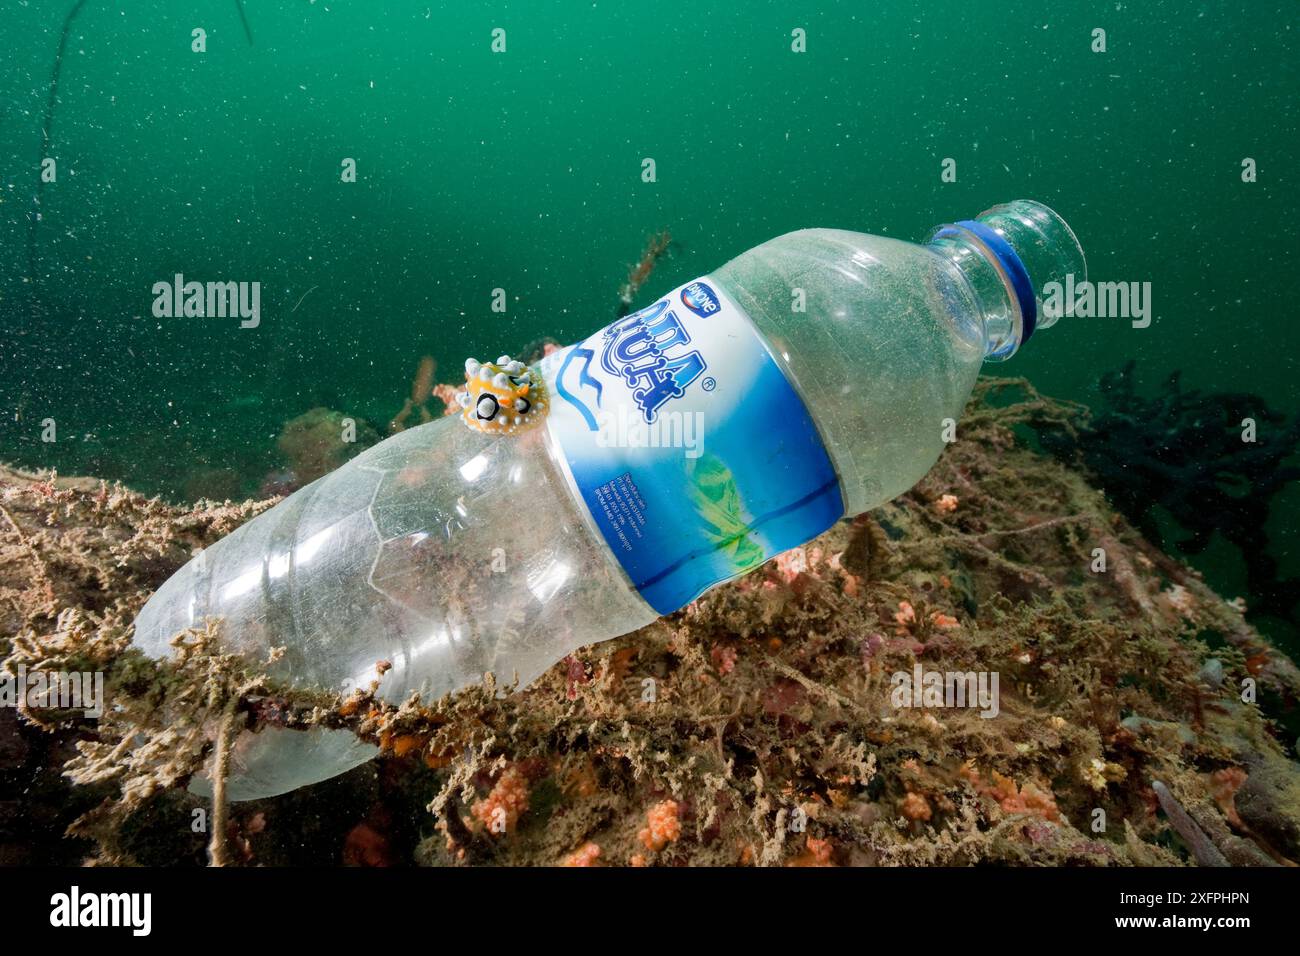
709, 384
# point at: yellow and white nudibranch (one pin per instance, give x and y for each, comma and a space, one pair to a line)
502, 397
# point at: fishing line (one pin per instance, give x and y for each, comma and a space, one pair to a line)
48, 124
46, 127
239, 5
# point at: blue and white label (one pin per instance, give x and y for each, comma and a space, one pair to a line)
693, 454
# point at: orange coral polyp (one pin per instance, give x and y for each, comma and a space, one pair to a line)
500, 810
663, 826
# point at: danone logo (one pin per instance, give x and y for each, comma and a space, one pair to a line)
699, 298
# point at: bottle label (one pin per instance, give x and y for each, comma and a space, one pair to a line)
692, 452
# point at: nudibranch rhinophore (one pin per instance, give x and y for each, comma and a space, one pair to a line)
502, 397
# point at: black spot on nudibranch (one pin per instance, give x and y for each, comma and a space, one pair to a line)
487, 408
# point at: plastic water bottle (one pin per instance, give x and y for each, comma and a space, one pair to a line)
683, 445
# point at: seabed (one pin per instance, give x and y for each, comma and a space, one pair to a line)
1141, 719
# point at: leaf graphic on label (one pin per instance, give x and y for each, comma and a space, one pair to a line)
716, 499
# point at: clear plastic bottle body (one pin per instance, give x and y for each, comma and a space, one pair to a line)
882, 338
447, 553
443, 552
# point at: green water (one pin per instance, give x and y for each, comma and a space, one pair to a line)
522, 171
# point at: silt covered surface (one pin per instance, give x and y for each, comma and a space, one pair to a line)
1140, 718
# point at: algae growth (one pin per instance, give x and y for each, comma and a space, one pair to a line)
1139, 719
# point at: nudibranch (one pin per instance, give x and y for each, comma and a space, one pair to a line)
503, 397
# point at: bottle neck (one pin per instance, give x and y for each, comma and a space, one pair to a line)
994, 287
1006, 255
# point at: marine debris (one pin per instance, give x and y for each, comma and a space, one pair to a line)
764, 724
47, 137
1202, 847
47, 125
243, 19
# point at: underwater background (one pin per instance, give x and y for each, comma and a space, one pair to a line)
522, 171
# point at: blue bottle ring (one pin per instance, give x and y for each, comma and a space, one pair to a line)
1015, 270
